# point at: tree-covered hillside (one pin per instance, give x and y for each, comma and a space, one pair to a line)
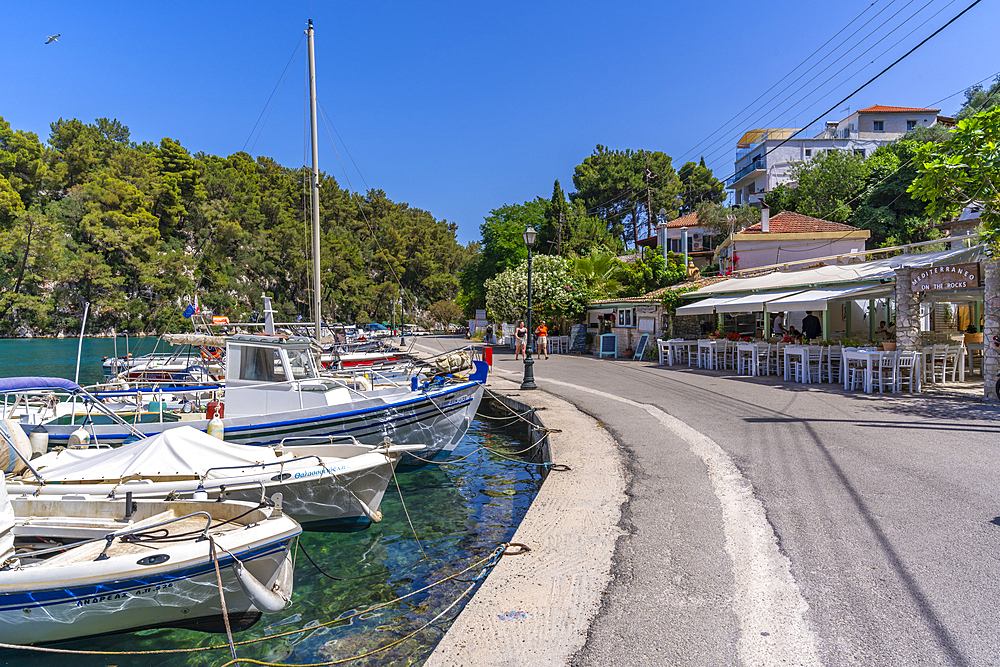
137, 230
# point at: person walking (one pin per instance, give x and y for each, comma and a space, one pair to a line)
521, 338
543, 339
489, 334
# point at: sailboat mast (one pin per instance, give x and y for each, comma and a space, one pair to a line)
314, 182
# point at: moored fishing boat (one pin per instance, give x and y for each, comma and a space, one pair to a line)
337, 483
275, 393
73, 567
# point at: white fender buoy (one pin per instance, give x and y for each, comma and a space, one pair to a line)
79, 438
268, 600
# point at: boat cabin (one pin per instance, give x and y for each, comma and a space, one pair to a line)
267, 374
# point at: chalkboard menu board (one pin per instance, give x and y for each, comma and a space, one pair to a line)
578, 338
609, 345
641, 347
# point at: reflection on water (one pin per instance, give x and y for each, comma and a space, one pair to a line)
458, 512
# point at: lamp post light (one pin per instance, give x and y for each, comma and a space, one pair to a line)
529, 375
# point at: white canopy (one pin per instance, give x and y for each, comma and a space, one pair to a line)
818, 299
703, 307
182, 452
752, 303
836, 274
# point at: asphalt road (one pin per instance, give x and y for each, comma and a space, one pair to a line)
790, 524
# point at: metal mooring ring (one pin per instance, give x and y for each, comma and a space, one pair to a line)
521, 549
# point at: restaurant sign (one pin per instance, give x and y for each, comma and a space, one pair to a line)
954, 276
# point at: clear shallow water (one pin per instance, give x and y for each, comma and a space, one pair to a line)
57, 357
459, 513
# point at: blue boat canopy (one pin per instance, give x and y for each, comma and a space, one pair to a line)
16, 384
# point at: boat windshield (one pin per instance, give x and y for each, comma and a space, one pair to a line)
259, 364
301, 362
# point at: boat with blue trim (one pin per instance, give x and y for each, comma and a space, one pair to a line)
72, 567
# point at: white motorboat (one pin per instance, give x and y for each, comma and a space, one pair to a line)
274, 392
336, 484
73, 567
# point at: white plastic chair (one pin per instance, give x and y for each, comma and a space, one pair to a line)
832, 360
764, 351
814, 364
939, 363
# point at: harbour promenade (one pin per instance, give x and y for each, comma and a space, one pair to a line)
712, 519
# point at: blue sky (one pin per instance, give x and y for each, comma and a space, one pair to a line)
459, 108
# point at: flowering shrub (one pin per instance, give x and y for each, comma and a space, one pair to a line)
747, 339
787, 339
557, 291
733, 336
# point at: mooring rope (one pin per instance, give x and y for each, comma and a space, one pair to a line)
486, 562
222, 596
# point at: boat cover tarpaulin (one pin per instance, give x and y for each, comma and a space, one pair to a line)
16, 384
195, 339
183, 452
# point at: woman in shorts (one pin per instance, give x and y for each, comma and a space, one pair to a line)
521, 338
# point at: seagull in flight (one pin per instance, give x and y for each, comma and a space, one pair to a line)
53, 38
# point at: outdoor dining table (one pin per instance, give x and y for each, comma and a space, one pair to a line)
800, 351
969, 349
675, 346
750, 350
706, 350
870, 359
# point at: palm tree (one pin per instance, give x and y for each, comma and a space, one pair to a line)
599, 271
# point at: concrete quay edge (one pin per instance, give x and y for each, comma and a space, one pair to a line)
536, 608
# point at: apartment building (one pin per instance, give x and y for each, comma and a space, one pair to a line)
764, 156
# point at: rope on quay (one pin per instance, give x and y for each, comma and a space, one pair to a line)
486, 564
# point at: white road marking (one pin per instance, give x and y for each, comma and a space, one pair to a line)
768, 599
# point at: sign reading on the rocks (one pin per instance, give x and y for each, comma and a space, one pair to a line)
578, 338
954, 276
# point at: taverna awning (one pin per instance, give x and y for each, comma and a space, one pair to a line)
835, 275
753, 303
704, 307
817, 299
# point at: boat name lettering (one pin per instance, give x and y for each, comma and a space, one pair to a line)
121, 596
310, 473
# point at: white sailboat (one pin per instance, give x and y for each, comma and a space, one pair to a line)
274, 390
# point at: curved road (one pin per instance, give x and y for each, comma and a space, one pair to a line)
790, 524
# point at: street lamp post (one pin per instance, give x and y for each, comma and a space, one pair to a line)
529, 375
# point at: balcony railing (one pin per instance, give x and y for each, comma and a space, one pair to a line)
753, 166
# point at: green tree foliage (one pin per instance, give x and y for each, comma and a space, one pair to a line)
978, 99
866, 193
445, 311
699, 185
556, 290
599, 270
720, 221
964, 170
137, 230
626, 189
502, 247
651, 274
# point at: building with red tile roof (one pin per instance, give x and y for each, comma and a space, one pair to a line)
788, 237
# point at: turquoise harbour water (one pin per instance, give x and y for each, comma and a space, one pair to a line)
459, 512
57, 358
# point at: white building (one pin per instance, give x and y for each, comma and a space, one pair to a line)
763, 161
788, 238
